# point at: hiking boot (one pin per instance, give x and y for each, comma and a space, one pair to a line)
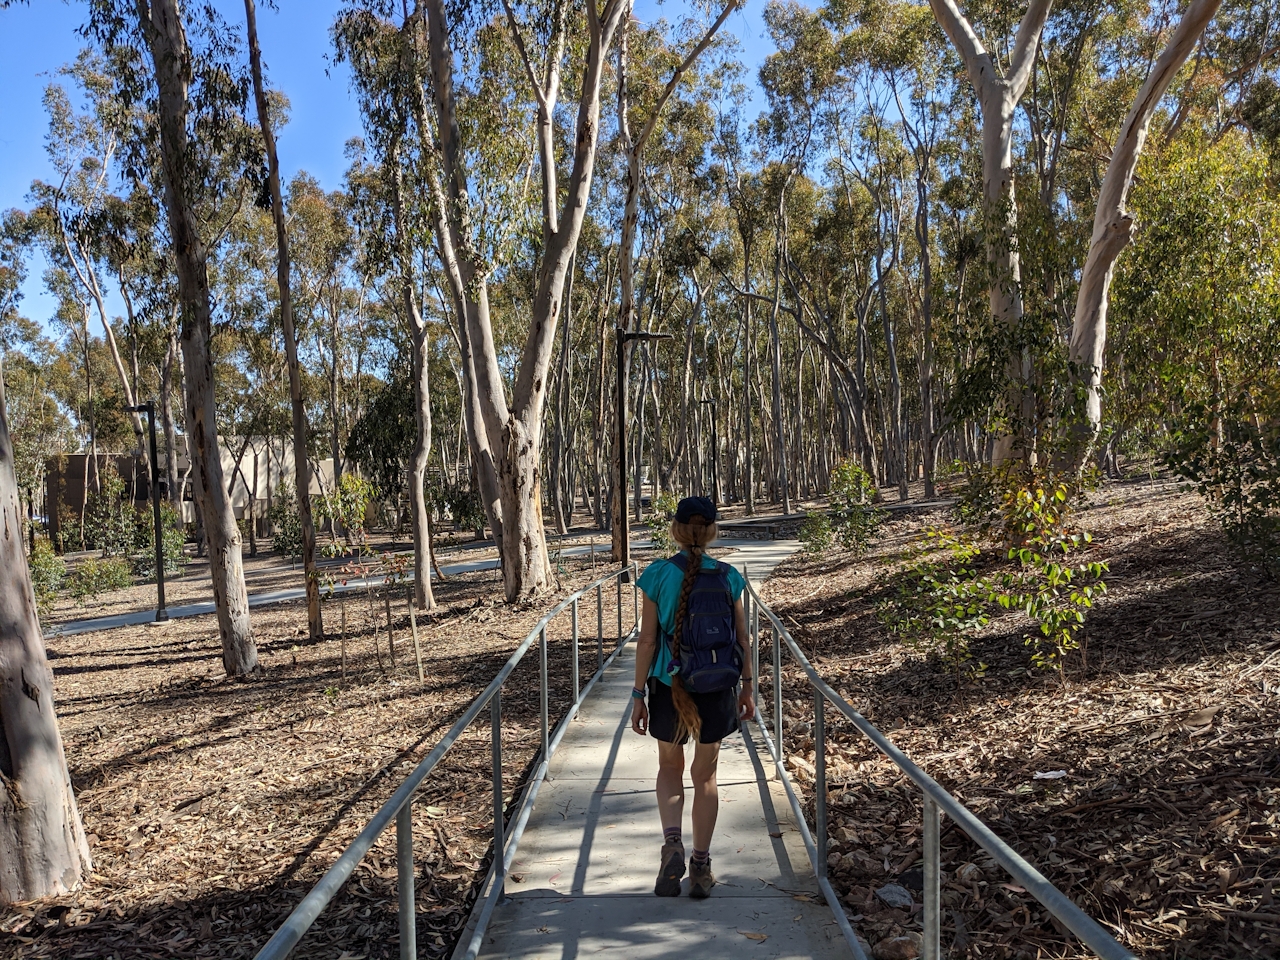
701, 880
672, 869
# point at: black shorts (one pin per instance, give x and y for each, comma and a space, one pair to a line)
719, 712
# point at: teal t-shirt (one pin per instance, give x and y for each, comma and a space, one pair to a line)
661, 582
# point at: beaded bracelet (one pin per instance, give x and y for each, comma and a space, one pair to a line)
637, 693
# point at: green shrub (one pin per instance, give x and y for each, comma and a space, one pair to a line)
816, 533
940, 602
854, 516
68, 529
345, 509
978, 498
48, 571
1231, 452
1054, 593
285, 522
95, 576
173, 540
664, 509
111, 522
465, 507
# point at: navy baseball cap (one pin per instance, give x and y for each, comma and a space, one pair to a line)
691, 507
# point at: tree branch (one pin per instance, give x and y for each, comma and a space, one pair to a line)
1022, 62
688, 62
529, 73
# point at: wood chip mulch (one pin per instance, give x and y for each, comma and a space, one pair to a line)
1147, 788
213, 806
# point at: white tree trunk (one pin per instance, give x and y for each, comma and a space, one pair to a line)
166, 38
1112, 225
43, 851
424, 597
301, 478
998, 98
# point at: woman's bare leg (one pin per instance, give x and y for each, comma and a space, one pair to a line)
706, 794
671, 785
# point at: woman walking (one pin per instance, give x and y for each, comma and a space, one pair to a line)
689, 664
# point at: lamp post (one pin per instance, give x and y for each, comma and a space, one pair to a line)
149, 408
715, 451
624, 337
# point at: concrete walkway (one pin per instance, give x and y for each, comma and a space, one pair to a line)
582, 881
137, 618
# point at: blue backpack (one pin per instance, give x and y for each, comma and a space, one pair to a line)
710, 657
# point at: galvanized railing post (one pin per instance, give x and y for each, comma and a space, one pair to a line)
542, 657
576, 697
599, 626
618, 582
404, 873
932, 880
777, 688
499, 840
753, 627
635, 593
820, 776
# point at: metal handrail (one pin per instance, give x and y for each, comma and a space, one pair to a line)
400, 804
937, 801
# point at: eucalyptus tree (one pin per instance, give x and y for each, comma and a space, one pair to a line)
633, 147
43, 848
797, 80
202, 147
1112, 223
999, 88
388, 77
507, 437
13, 269
298, 413
78, 212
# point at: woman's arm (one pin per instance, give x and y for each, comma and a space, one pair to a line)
646, 650
647, 642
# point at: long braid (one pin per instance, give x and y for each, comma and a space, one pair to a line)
688, 720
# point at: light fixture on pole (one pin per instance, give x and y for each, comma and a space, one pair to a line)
149, 408
623, 337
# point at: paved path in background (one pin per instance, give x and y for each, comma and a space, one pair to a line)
203, 608
139, 617
590, 852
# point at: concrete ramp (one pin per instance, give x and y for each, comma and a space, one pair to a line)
582, 881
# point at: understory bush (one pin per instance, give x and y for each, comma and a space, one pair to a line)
173, 540
853, 517
941, 599
664, 509
112, 524
68, 536
285, 522
465, 507
816, 533
345, 508
939, 602
95, 576
1054, 592
1231, 452
48, 571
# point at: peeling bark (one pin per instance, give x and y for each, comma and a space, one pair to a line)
43, 850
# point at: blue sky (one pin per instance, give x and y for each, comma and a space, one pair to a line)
38, 38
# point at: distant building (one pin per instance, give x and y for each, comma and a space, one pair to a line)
257, 476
